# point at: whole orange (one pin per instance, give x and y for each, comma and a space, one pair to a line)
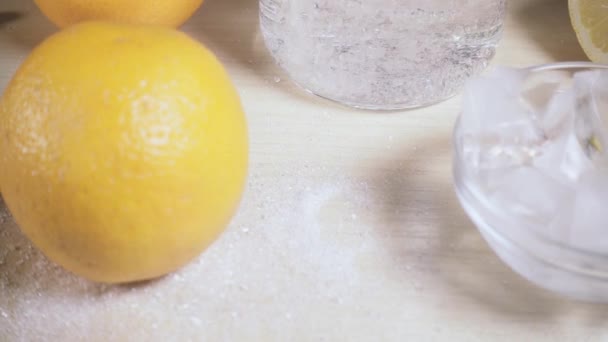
171, 13
123, 149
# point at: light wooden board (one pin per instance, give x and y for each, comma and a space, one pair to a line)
349, 229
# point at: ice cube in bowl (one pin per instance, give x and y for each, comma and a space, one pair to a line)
530, 171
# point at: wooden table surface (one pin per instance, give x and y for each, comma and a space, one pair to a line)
349, 229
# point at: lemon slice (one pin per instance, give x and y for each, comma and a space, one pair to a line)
590, 21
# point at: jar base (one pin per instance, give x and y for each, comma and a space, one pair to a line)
374, 107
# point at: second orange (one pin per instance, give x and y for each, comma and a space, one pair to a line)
156, 12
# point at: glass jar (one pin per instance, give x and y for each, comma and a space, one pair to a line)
530, 170
382, 54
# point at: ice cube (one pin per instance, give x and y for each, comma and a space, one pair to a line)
591, 123
564, 159
557, 117
590, 217
539, 95
497, 126
527, 193
561, 157
493, 102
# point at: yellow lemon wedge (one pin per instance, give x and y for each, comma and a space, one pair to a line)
590, 21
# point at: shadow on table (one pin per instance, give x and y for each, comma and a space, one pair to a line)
437, 237
548, 24
230, 25
26, 27
7, 17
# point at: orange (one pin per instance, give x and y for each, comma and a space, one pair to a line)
171, 13
123, 148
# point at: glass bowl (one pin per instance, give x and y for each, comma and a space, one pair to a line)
509, 201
